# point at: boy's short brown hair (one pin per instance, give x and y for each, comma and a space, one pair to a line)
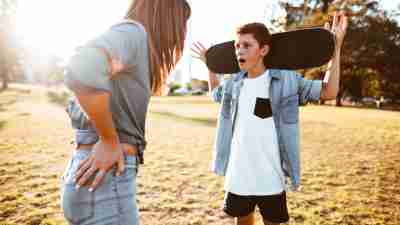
259, 31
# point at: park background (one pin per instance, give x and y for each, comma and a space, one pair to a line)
350, 147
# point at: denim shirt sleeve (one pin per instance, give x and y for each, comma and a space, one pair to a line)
217, 93
90, 65
309, 90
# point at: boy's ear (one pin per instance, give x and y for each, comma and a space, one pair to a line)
265, 50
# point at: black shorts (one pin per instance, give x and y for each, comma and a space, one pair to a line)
273, 208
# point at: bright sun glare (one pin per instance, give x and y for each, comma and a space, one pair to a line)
56, 27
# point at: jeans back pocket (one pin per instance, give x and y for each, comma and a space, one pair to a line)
77, 204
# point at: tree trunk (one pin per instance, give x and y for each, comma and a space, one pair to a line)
305, 9
325, 5
339, 99
4, 78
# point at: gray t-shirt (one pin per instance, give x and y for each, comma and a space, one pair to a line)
130, 89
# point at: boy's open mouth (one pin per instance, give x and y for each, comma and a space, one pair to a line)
241, 60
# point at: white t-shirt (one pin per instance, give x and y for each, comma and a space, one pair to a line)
254, 166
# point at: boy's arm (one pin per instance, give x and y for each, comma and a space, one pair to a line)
214, 86
330, 86
314, 90
213, 81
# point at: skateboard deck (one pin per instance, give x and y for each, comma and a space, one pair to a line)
292, 50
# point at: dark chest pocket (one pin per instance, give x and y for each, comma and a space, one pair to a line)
262, 108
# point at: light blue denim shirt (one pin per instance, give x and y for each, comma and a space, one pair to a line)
287, 91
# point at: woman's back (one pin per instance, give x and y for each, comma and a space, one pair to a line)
130, 88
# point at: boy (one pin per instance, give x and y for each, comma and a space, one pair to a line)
257, 143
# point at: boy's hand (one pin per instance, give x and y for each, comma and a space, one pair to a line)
199, 51
338, 28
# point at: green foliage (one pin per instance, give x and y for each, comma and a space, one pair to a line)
56, 77
189, 86
370, 59
59, 97
174, 86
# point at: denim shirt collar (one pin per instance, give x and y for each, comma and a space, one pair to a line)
273, 73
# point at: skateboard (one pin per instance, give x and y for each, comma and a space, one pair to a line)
292, 50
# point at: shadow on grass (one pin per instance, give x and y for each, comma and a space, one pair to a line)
58, 98
2, 124
24, 114
202, 121
386, 107
182, 101
3, 105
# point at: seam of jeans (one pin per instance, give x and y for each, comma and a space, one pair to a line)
118, 199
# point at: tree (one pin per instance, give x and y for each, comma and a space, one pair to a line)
174, 86
8, 52
371, 52
373, 46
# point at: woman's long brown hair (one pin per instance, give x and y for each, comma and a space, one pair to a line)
165, 24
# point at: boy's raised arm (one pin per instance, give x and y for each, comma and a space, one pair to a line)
199, 52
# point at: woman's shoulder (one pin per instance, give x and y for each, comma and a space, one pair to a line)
123, 36
129, 26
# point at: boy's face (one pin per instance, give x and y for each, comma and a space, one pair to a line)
249, 52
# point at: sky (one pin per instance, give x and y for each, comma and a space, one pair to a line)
56, 27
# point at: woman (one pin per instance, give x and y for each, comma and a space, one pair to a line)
113, 78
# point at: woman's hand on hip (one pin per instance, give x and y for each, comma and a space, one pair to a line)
103, 157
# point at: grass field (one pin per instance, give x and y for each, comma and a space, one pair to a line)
350, 161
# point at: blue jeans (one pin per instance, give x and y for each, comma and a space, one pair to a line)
112, 203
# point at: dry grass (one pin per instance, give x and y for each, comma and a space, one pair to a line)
350, 160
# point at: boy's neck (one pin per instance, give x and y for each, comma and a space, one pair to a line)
257, 70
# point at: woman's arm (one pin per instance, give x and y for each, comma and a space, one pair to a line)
95, 102
89, 75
